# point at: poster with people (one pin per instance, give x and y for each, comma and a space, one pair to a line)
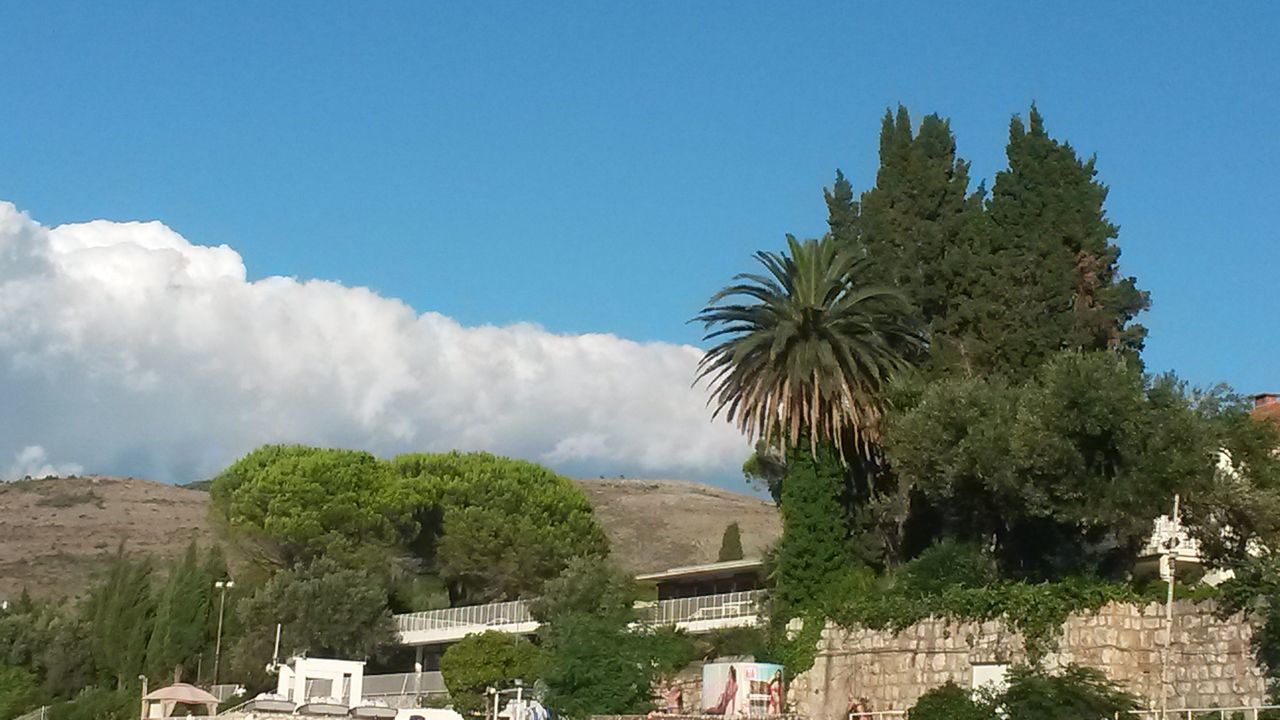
742, 689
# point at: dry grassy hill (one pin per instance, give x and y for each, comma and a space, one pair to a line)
54, 533
659, 524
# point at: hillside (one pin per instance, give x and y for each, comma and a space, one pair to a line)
659, 524
55, 532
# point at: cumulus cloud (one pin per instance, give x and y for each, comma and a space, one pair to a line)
125, 346
32, 461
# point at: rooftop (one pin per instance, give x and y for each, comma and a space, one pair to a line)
1266, 406
708, 570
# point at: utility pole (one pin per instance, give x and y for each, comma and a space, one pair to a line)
1170, 571
223, 586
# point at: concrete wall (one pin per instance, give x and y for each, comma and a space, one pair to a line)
1211, 665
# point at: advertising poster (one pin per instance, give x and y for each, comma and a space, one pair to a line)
742, 689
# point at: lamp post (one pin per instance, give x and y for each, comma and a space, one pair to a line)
223, 586
1170, 568
142, 703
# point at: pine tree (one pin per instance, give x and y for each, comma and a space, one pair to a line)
731, 543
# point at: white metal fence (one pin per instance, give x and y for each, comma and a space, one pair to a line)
706, 607
664, 612
493, 614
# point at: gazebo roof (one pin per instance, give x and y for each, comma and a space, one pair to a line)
182, 693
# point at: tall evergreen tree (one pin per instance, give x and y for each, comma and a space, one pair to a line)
1058, 264
916, 225
843, 211
813, 548
182, 618
730, 543
121, 614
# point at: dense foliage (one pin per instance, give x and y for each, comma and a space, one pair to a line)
325, 609
504, 526
951, 702
83, 658
1076, 693
490, 659
1061, 474
813, 547
1002, 284
301, 503
597, 658
19, 691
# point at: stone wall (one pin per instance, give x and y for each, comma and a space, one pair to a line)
1211, 665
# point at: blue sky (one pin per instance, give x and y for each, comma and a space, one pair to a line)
605, 166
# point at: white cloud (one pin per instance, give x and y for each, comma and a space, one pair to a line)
134, 351
32, 461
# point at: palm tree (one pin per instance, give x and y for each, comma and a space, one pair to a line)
804, 351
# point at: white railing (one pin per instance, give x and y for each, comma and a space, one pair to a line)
707, 607
1243, 712
492, 615
423, 683
696, 614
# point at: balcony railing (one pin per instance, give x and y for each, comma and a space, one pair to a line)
724, 606
492, 615
702, 611
429, 682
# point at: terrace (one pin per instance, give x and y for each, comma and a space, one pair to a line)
697, 614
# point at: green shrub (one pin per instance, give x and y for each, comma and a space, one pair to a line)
490, 659
946, 565
950, 702
1077, 693
19, 691
95, 703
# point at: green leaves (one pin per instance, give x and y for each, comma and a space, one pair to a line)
304, 502
490, 659
326, 610
813, 549
1076, 693
492, 528
19, 691
805, 348
1060, 474
505, 526
596, 659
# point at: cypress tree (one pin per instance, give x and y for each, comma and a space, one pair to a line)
182, 617
731, 543
842, 209
919, 225
120, 614
1057, 265
813, 548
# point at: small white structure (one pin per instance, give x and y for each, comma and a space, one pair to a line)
160, 703
304, 680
